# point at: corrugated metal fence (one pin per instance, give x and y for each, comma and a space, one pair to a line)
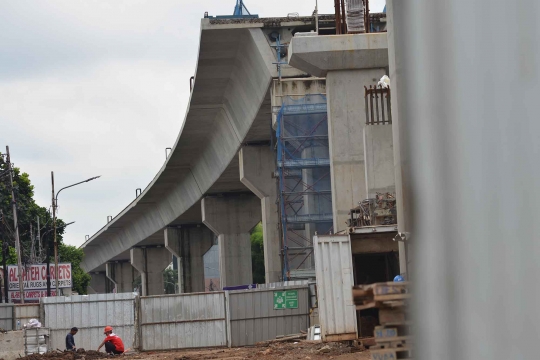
25, 312
252, 316
337, 312
10, 313
215, 319
90, 313
183, 321
6, 316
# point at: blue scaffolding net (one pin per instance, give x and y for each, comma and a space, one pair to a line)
305, 195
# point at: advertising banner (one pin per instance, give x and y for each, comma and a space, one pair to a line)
35, 277
29, 295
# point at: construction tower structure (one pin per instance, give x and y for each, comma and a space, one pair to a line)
303, 164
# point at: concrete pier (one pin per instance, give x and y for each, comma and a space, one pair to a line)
257, 166
189, 243
150, 263
346, 122
231, 218
349, 63
98, 283
121, 274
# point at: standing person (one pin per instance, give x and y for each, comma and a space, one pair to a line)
70, 340
113, 343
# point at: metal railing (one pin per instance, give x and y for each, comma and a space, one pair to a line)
378, 109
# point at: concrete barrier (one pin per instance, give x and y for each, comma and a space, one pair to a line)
11, 345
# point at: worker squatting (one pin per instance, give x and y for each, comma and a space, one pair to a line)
112, 342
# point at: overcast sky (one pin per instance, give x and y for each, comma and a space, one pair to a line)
100, 88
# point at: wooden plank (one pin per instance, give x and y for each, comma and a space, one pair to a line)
393, 316
370, 305
385, 332
386, 354
385, 289
393, 339
392, 297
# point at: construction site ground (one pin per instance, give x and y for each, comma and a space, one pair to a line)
274, 351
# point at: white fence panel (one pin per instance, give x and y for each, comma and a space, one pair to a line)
90, 314
183, 321
333, 263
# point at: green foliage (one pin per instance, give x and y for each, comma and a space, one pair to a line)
257, 254
27, 213
74, 255
170, 280
12, 257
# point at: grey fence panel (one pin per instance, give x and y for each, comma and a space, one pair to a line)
90, 314
6, 316
183, 321
253, 317
25, 312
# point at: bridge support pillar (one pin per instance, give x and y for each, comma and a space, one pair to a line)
231, 218
189, 244
121, 275
345, 132
150, 263
98, 283
257, 166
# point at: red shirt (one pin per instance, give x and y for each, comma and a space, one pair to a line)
117, 342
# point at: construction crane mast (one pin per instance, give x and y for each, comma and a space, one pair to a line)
240, 9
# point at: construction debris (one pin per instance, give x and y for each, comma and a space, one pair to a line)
80, 354
380, 210
393, 335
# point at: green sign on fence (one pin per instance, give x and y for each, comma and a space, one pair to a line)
285, 300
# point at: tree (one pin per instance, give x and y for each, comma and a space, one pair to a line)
170, 280
257, 254
27, 212
74, 255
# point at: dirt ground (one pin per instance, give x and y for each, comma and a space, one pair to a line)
299, 350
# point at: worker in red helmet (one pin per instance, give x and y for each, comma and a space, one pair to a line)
113, 343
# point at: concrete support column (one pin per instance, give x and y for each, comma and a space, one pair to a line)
189, 244
231, 219
121, 274
150, 263
98, 283
256, 168
346, 121
402, 163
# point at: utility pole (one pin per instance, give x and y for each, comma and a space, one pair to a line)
17, 243
38, 235
55, 243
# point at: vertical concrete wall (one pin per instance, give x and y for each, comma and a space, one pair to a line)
232, 218
379, 159
257, 165
151, 262
346, 121
121, 274
189, 244
396, 48
98, 283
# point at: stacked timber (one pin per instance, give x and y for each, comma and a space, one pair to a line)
392, 336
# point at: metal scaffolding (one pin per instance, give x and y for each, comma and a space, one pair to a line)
305, 196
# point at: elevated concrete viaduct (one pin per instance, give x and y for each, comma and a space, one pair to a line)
219, 179
229, 108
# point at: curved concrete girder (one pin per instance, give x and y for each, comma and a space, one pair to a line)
203, 150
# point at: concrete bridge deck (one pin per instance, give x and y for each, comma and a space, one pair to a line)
229, 106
